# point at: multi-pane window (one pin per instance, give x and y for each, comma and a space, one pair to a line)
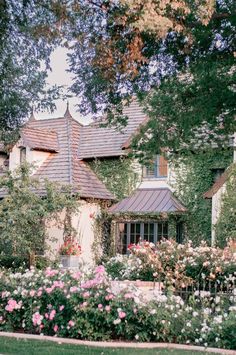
133, 232
158, 168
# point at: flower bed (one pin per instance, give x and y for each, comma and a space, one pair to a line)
85, 305
178, 265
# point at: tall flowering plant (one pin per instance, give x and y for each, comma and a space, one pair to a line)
70, 247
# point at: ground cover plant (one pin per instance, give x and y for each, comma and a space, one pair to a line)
87, 305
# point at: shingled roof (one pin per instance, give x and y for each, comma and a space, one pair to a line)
218, 184
97, 141
40, 139
65, 166
149, 201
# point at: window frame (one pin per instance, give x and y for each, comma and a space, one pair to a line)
156, 170
122, 246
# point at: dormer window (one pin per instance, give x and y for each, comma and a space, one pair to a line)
22, 155
157, 169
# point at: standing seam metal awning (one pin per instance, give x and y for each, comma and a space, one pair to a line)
149, 200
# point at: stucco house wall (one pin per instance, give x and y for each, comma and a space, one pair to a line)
37, 158
83, 222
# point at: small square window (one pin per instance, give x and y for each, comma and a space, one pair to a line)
158, 168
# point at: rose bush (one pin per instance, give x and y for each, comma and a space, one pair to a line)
87, 305
178, 265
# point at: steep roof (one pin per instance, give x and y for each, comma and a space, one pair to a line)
97, 141
40, 139
149, 201
218, 184
64, 166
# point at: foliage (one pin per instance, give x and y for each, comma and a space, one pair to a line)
175, 265
86, 305
13, 262
178, 57
28, 34
117, 174
194, 175
29, 206
70, 247
225, 228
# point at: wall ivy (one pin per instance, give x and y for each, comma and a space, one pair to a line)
194, 176
117, 174
225, 228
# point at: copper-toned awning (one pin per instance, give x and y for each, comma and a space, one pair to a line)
149, 201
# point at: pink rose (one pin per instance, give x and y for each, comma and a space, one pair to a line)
61, 308
71, 323
55, 328
52, 314
122, 314
100, 306
108, 308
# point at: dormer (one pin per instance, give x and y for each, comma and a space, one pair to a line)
156, 173
34, 147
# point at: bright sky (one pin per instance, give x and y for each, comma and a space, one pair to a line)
59, 76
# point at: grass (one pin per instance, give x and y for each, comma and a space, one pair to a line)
34, 347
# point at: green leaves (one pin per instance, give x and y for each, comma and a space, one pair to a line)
28, 205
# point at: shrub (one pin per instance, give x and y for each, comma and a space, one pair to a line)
177, 265
14, 262
86, 305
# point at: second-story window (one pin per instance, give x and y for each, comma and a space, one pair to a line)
157, 169
22, 155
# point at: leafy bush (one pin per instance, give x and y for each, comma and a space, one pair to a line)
13, 262
86, 305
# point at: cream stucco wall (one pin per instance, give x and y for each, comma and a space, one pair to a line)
83, 222
32, 156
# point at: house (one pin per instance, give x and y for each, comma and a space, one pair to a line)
62, 150
216, 193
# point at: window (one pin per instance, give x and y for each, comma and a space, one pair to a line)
22, 155
133, 232
157, 169
217, 173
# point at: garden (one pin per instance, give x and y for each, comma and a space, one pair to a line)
195, 302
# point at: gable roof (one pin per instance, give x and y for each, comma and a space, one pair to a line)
149, 201
218, 184
64, 166
97, 141
40, 139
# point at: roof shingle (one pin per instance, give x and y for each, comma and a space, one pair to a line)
40, 139
97, 141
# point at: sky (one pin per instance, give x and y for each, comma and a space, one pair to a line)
59, 76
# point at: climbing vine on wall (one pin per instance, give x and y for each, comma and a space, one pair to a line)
118, 174
225, 228
194, 176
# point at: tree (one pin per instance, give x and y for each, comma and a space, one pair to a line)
27, 209
28, 34
178, 57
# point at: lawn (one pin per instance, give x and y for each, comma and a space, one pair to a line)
33, 347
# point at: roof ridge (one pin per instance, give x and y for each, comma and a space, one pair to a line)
68, 128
